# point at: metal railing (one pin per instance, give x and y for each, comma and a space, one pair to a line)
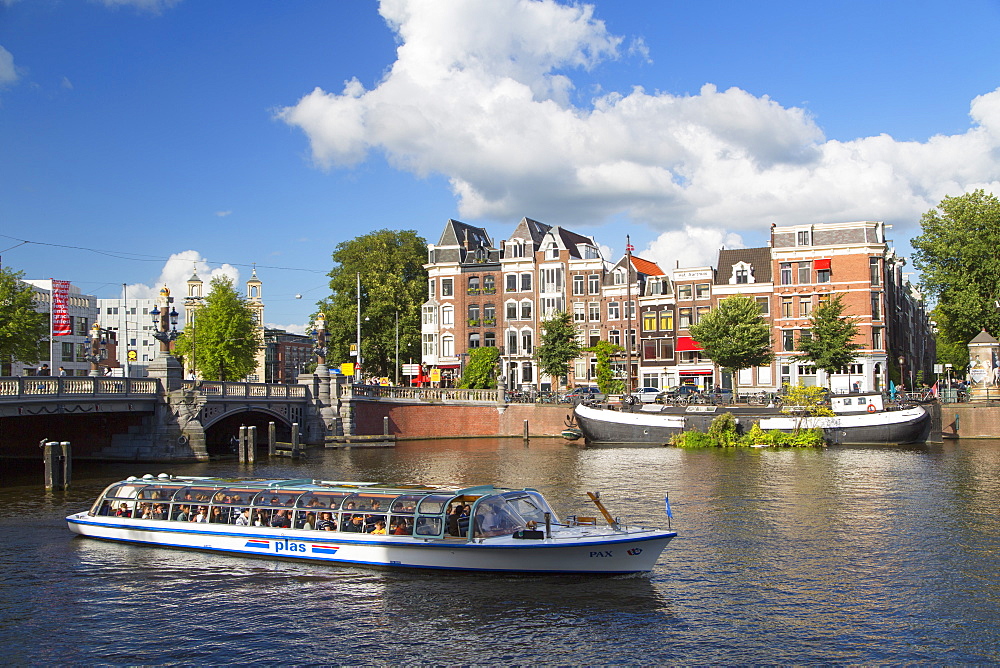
76, 386
214, 388
425, 393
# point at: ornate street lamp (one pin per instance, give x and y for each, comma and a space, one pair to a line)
319, 340
98, 349
165, 322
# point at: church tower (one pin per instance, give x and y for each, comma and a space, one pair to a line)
192, 302
255, 301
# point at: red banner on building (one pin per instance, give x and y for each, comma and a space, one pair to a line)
62, 324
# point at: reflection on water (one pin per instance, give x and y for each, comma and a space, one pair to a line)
857, 555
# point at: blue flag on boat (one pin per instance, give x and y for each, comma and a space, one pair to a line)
892, 390
666, 500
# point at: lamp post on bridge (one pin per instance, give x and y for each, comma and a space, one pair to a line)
166, 367
98, 349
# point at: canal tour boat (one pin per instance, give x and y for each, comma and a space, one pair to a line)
369, 524
858, 419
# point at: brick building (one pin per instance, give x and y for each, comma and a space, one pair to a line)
481, 293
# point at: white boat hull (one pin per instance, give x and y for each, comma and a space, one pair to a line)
568, 550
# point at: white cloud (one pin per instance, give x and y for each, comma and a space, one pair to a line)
8, 72
223, 214
690, 247
152, 6
291, 329
480, 92
175, 274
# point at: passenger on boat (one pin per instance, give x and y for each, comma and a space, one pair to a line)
379, 529
147, 511
243, 519
453, 517
280, 520
403, 528
123, 511
326, 523
356, 525
261, 518
202, 515
158, 512
463, 521
183, 515
310, 522
217, 517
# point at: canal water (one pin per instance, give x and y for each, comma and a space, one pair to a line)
844, 555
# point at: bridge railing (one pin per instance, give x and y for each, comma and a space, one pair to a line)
62, 386
424, 393
246, 390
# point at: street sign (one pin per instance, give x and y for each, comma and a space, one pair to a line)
347, 368
435, 375
353, 351
411, 369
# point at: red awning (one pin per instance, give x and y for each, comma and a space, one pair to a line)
822, 264
686, 343
447, 366
706, 372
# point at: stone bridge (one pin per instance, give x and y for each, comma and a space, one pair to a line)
138, 418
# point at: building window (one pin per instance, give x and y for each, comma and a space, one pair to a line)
742, 276
666, 349
631, 338
786, 307
805, 306
525, 310
594, 311
511, 310
787, 340
803, 238
873, 271
428, 345
822, 275
684, 291
618, 277
667, 321
593, 284
614, 312
447, 287
702, 291
473, 315
876, 338
430, 288
579, 312
525, 282
526, 342
489, 285
447, 346
67, 352
615, 337
649, 321
510, 283
578, 284
447, 315
684, 318
786, 273
702, 311
430, 315
876, 306
490, 339
474, 340
473, 285
526, 373
764, 303
553, 251
595, 337
511, 342
489, 315
805, 272
630, 310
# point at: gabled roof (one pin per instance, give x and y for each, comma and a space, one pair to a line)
983, 338
531, 229
646, 267
456, 233
758, 258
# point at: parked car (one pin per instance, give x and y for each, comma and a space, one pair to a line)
644, 395
581, 394
671, 393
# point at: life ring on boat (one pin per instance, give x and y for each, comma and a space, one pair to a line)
871, 408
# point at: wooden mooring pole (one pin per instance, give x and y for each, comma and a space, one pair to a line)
272, 441
58, 464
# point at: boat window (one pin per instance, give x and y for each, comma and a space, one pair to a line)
847, 401
406, 504
509, 512
321, 500
861, 401
122, 491
433, 504
429, 526
238, 496
369, 501
194, 494
157, 493
531, 506
275, 499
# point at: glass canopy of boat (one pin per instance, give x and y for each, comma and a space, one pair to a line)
372, 508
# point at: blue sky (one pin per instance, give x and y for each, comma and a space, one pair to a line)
222, 134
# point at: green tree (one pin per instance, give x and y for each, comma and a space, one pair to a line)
557, 346
606, 381
222, 339
956, 254
393, 281
480, 372
22, 329
829, 343
734, 335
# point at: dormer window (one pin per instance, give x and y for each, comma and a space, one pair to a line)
553, 252
619, 277
742, 273
803, 238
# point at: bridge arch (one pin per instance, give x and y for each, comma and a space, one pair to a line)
223, 428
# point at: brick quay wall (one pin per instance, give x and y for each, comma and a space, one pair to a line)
456, 421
